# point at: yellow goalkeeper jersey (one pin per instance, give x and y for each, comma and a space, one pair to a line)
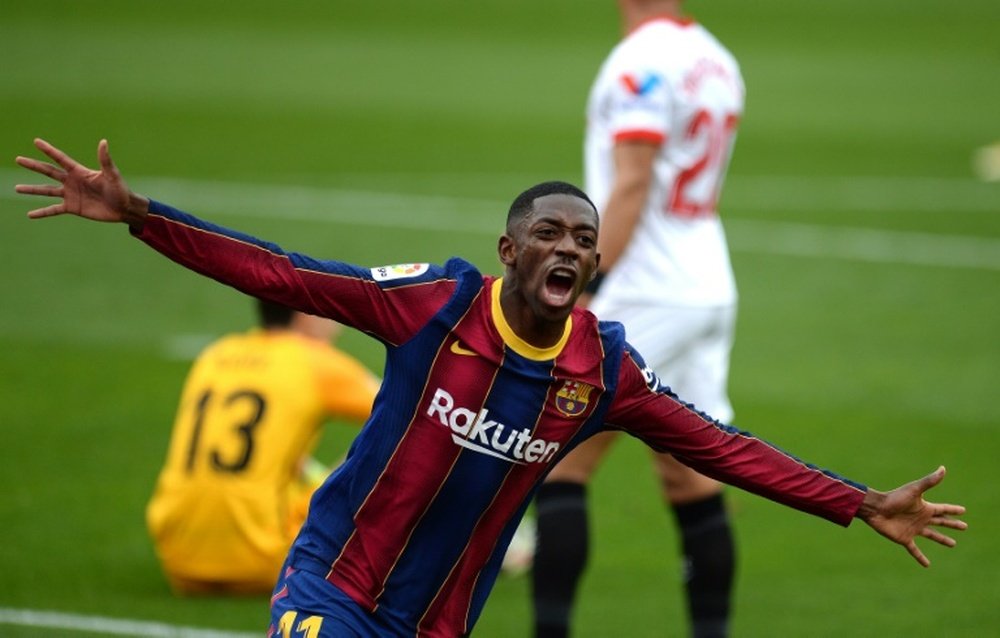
228, 501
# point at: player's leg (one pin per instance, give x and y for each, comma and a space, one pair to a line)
563, 536
706, 543
520, 554
698, 373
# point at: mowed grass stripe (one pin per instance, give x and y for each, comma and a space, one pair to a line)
455, 214
864, 244
104, 626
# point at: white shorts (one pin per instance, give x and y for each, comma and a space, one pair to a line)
688, 347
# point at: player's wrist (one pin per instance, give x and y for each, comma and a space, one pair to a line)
136, 211
871, 505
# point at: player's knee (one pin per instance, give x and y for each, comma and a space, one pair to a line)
569, 474
580, 464
681, 484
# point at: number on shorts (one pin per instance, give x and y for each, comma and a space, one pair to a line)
308, 627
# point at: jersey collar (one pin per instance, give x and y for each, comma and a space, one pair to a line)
516, 343
681, 22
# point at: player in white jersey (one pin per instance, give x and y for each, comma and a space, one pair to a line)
661, 120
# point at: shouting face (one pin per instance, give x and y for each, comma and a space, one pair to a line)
550, 255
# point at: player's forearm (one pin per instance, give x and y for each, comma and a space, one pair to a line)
620, 217
728, 454
618, 222
255, 267
760, 468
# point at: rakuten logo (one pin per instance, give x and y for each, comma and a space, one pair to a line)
474, 431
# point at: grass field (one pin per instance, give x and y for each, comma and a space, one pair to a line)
867, 254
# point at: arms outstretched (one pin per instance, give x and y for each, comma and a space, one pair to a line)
99, 195
902, 514
102, 195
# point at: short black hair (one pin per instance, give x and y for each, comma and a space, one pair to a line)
274, 315
525, 202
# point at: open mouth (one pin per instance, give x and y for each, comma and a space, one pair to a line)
559, 286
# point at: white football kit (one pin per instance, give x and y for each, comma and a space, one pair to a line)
670, 82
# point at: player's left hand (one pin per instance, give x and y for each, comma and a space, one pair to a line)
902, 514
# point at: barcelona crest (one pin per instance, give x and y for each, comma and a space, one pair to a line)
572, 399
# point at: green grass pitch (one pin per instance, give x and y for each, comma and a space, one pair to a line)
867, 254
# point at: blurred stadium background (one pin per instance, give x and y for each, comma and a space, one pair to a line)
866, 249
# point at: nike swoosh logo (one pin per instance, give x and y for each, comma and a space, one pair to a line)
458, 349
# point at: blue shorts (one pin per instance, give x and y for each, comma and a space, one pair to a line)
306, 605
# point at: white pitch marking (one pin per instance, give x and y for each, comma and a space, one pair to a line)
111, 626
483, 216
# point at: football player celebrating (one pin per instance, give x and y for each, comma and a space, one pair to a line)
488, 382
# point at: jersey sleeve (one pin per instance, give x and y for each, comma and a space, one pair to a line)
648, 410
346, 387
640, 104
391, 302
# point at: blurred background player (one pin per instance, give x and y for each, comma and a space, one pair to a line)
661, 119
235, 487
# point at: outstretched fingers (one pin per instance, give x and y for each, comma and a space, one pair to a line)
99, 195
107, 164
942, 517
940, 520
58, 156
48, 211
46, 190
104, 155
946, 521
938, 537
43, 168
949, 509
917, 554
931, 479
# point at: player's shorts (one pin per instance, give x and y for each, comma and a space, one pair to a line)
688, 347
306, 605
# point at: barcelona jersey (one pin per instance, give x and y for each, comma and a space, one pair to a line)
413, 526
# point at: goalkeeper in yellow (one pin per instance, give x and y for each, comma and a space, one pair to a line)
235, 486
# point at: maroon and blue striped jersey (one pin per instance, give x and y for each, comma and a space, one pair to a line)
413, 526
